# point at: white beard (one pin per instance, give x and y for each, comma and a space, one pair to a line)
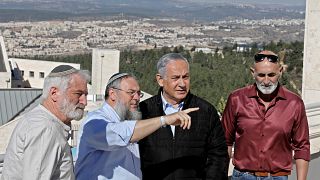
267, 89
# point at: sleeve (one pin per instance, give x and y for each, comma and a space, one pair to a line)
228, 122
300, 134
218, 159
107, 136
42, 154
65, 167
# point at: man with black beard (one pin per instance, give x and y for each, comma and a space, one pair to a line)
107, 147
266, 122
38, 148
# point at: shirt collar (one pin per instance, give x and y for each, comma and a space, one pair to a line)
252, 90
165, 104
110, 111
281, 93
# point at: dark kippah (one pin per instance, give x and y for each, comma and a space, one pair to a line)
62, 70
116, 76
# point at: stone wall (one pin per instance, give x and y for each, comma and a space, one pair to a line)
311, 59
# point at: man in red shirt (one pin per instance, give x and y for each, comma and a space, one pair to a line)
266, 122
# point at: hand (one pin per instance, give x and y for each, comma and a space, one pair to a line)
180, 118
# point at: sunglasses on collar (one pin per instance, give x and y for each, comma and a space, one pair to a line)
261, 57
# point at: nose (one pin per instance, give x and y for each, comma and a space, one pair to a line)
83, 99
136, 96
266, 80
181, 82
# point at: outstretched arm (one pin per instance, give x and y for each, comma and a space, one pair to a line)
145, 127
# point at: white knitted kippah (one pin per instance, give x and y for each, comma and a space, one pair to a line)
116, 76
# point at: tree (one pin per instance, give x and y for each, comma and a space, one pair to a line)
212, 77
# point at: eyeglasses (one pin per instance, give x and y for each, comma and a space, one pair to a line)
261, 57
132, 93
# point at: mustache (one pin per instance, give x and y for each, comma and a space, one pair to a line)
268, 85
80, 106
135, 102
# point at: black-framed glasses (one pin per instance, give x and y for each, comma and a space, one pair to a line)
132, 93
261, 57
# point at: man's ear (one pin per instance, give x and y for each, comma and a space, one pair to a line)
112, 94
54, 93
159, 80
252, 72
281, 70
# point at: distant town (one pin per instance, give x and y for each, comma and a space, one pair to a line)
75, 37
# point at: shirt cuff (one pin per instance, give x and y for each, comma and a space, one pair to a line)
302, 155
128, 131
120, 133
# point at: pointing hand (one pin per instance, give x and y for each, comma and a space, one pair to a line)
180, 118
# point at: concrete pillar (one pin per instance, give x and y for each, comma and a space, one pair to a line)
105, 62
5, 72
311, 58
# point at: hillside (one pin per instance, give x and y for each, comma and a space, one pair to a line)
35, 10
213, 77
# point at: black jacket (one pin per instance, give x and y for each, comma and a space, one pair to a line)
197, 153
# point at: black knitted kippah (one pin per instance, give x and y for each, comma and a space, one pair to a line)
62, 70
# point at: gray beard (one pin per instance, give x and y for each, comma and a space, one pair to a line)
125, 114
71, 110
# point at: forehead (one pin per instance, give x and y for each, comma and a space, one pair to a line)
129, 83
266, 67
177, 67
266, 52
77, 83
76, 80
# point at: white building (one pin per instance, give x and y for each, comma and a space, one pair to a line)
24, 73
31, 73
204, 50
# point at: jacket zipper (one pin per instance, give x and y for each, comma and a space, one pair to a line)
173, 147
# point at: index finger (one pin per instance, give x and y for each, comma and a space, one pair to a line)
191, 110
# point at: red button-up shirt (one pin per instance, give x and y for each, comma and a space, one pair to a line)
265, 138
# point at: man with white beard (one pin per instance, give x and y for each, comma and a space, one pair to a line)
107, 147
38, 148
266, 123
